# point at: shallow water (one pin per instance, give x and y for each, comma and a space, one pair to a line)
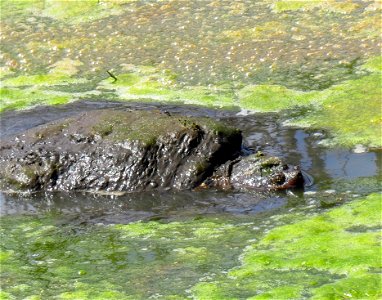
334, 171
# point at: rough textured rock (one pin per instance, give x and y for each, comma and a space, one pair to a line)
114, 150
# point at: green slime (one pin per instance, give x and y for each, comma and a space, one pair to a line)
334, 254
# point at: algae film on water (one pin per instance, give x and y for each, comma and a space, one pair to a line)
172, 149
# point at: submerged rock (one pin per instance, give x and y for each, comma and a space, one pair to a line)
111, 150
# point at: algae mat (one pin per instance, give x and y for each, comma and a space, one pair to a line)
322, 57
333, 254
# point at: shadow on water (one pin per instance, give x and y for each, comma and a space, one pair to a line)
334, 171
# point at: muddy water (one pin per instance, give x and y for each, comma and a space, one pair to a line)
337, 173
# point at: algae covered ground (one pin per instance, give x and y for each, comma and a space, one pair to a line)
327, 254
316, 63
321, 57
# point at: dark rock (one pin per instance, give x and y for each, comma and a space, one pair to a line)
117, 151
111, 150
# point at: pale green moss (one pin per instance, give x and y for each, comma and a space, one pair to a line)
346, 6
262, 32
281, 6
148, 126
64, 10
148, 82
60, 74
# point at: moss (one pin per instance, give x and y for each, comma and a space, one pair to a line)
270, 162
148, 127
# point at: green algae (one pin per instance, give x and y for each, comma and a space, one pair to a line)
61, 73
268, 98
133, 261
332, 255
350, 111
29, 90
373, 64
14, 98
147, 82
330, 5
317, 245
63, 10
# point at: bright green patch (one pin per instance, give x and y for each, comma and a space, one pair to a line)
373, 64
281, 6
346, 6
272, 98
148, 82
29, 90
350, 111
64, 10
334, 255
14, 98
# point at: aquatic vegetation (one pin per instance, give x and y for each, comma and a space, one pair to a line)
133, 261
65, 10
272, 98
334, 254
28, 90
350, 112
14, 98
331, 256
148, 82
331, 5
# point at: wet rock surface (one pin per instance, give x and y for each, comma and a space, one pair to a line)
118, 150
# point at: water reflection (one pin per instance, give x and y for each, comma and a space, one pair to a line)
342, 164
